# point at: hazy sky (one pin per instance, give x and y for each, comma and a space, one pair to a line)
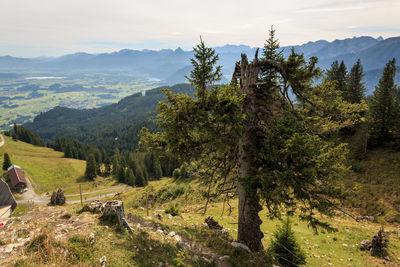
56, 27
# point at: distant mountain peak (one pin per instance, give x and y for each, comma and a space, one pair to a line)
179, 50
380, 38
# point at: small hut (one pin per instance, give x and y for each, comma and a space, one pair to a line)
17, 177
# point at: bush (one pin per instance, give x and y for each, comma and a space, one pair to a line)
174, 211
285, 247
171, 192
185, 171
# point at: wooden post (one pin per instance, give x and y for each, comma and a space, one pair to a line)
147, 204
80, 192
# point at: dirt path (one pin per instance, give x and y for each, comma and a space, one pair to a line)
100, 196
114, 188
30, 196
1, 140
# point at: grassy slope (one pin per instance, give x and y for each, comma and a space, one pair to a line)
49, 170
339, 248
374, 186
376, 181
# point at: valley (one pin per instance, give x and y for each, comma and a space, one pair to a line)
23, 98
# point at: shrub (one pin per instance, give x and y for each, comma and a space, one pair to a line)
171, 192
37, 243
174, 211
185, 171
285, 247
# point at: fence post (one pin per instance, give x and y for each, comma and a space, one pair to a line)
80, 192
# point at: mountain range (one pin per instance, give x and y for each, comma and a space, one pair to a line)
170, 66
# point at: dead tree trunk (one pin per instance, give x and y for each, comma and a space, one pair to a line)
115, 208
249, 231
259, 106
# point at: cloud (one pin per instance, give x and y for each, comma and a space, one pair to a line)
103, 25
374, 29
343, 5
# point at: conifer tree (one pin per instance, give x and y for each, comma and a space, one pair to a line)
107, 166
278, 149
271, 51
6, 161
68, 152
140, 181
116, 161
355, 90
129, 177
337, 74
204, 72
383, 107
153, 166
121, 174
90, 172
285, 247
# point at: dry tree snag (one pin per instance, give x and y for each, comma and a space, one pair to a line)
249, 231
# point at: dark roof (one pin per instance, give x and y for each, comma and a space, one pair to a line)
16, 175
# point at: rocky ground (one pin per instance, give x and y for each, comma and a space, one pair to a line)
18, 232
101, 241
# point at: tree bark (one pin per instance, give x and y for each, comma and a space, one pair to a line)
249, 232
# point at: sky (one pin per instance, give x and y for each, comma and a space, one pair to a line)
32, 28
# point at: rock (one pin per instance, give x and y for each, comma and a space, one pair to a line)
181, 244
138, 227
91, 240
161, 232
365, 218
240, 245
170, 217
103, 261
141, 208
224, 258
386, 258
178, 238
57, 198
350, 259
66, 216
206, 260
365, 245
172, 234
159, 216
213, 224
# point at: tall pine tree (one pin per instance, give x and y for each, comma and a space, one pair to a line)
355, 90
383, 107
6, 161
337, 73
204, 72
90, 172
278, 150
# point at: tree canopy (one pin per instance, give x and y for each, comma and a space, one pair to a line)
251, 135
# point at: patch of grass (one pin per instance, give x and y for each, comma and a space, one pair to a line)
48, 170
78, 250
173, 210
21, 209
37, 244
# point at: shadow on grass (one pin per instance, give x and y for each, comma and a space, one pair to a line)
82, 179
220, 243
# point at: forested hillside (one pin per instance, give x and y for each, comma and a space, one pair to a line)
108, 127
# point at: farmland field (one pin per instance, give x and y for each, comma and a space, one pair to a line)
22, 97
